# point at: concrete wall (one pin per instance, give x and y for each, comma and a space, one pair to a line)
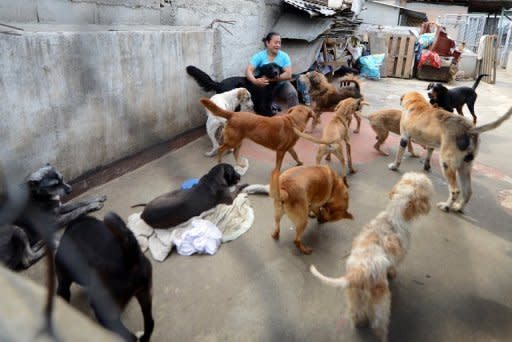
105, 12
253, 20
379, 14
82, 97
433, 11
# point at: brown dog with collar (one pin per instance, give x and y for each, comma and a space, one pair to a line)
309, 188
325, 96
456, 138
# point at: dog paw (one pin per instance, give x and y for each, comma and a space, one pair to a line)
94, 206
352, 170
356, 131
275, 235
210, 153
426, 167
458, 207
393, 167
102, 198
139, 334
444, 206
304, 249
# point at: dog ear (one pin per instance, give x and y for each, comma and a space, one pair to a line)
418, 205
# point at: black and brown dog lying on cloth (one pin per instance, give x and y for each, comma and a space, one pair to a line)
261, 96
454, 98
178, 206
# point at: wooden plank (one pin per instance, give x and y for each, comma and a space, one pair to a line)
409, 64
400, 60
396, 45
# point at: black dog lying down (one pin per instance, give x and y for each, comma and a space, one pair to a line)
173, 208
20, 242
261, 96
448, 99
117, 270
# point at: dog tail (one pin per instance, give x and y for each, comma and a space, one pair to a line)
494, 124
275, 188
203, 79
478, 80
214, 109
348, 79
312, 138
129, 245
335, 282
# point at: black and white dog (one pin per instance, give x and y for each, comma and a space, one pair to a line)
173, 208
261, 96
20, 234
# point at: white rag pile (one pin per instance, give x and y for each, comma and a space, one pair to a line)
201, 234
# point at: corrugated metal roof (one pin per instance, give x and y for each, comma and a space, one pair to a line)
292, 26
313, 9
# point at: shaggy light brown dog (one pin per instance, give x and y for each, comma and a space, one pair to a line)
275, 133
455, 137
384, 121
325, 96
377, 250
309, 188
335, 133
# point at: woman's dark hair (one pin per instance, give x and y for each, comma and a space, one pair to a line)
268, 37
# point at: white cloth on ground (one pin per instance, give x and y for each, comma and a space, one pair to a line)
200, 234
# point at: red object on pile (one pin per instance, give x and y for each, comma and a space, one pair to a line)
429, 58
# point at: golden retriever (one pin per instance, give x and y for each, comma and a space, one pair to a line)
455, 137
324, 95
309, 188
335, 133
378, 250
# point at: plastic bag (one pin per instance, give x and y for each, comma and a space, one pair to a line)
370, 66
429, 58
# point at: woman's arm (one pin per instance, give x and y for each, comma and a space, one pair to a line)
249, 73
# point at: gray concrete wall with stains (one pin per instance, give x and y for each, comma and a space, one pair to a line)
82, 95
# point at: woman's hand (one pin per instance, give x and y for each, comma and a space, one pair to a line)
262, 81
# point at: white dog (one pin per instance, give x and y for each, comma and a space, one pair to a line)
377, 250
228, 100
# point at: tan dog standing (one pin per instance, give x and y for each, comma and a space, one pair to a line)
378, 250
384, 121
326, 96
335, 133
455, 137
309, 188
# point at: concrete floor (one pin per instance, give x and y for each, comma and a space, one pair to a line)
454, 285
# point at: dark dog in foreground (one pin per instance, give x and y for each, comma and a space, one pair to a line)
20, 241
454, 98
117, 270
173, 208
261, 96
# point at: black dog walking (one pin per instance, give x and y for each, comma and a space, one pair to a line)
449, 99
